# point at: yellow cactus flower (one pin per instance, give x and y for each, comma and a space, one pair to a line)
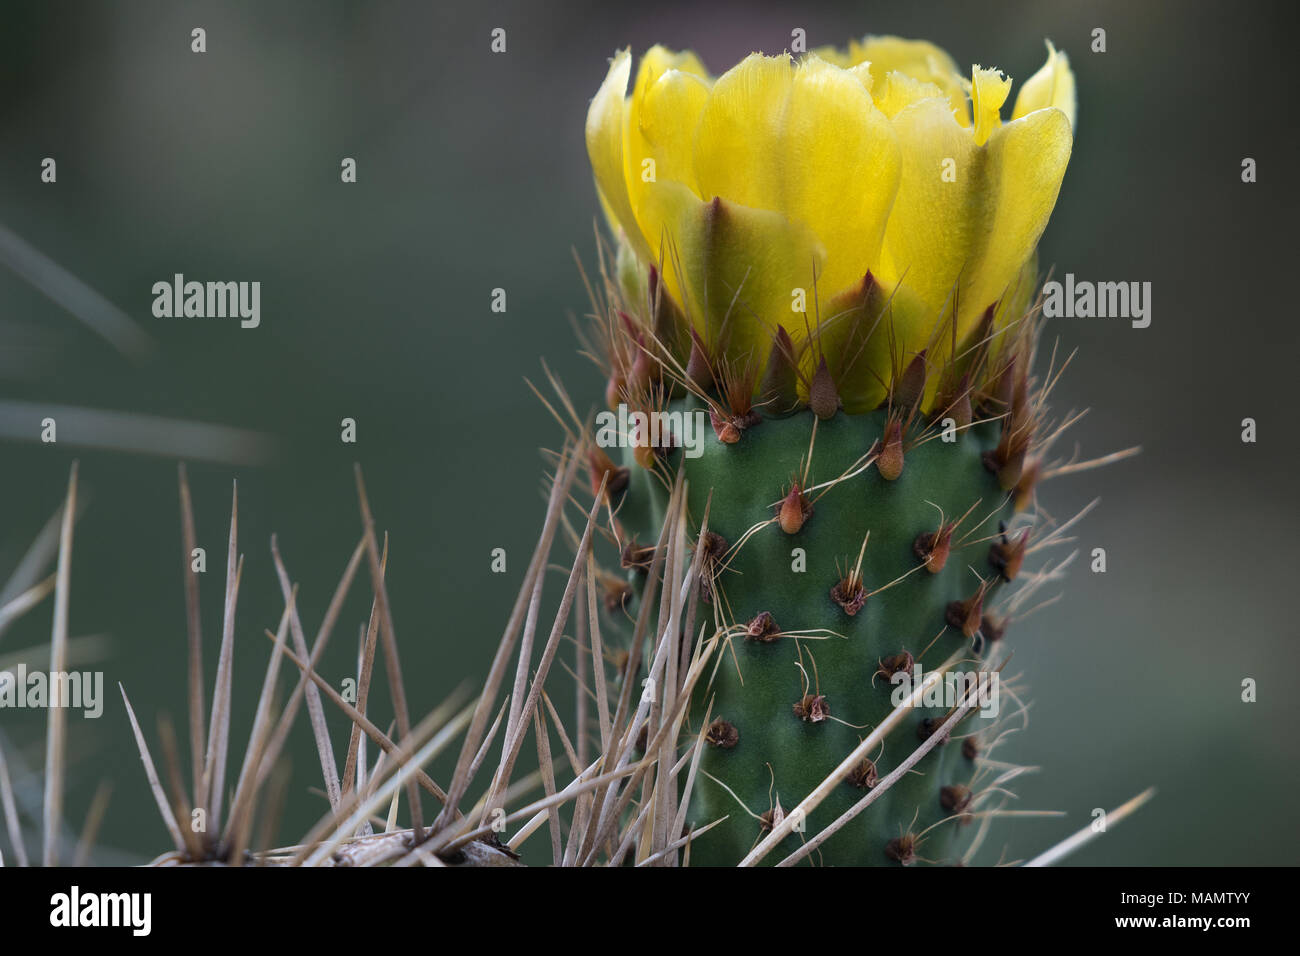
779, 178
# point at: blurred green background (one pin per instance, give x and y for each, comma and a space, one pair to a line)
473, 175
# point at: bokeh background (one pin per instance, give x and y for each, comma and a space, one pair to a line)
473, 175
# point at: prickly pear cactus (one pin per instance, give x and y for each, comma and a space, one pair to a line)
820, 317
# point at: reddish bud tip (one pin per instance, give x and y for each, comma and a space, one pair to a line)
955, 404
1024, 491
599, 465
699, 368
728, 431
890, 460
933, 547
647, 456
779, 391
1007, 556
1007, 461
823, 398
794, 510
1002, 390
909, 389
614, 390
616, 594
966, 615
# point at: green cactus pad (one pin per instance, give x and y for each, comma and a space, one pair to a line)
774, 756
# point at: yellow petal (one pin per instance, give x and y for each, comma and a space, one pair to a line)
666, 118
808, 144
605, 132
900, 91
658, 60
656, 64
863, 73
834, 55
1052, 86
917, 59
929, 234
981, 227
989, 90
741, 133
733, 268
661, 128
1025, 165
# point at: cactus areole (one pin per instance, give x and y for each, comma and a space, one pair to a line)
825, 271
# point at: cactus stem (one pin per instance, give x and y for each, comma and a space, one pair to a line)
870, 743
882, 787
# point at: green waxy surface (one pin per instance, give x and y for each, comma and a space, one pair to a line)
756, 685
